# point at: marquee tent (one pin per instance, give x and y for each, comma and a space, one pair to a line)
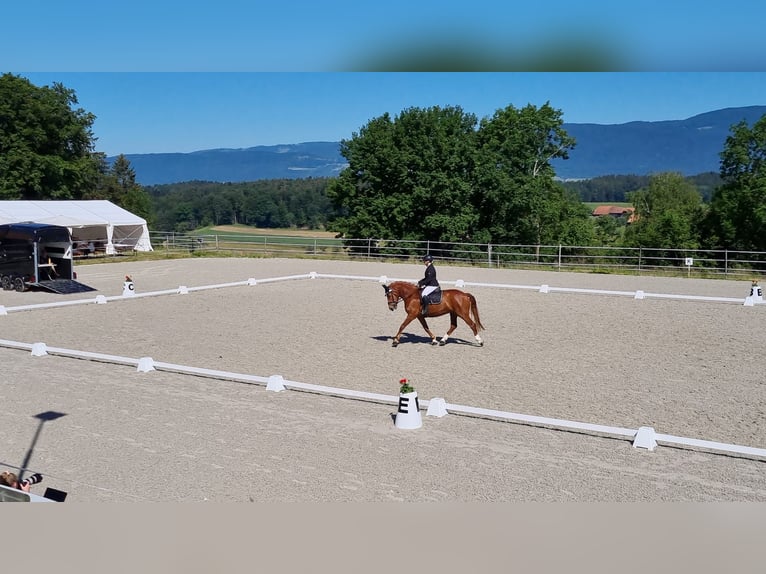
98, 221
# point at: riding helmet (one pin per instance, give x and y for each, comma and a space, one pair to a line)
428, 257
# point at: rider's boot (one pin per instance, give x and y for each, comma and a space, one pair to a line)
424, 310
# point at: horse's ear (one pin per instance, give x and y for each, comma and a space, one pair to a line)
385, 288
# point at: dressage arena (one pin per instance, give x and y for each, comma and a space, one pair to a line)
685, 367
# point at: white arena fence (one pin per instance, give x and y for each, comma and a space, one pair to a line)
685, 262
643, 437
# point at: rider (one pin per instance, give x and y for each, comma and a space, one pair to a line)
428, 283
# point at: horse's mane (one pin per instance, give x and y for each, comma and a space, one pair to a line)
405, 286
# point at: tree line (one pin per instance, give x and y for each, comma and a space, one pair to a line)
438, 174
616, 188
271, 203
303, 203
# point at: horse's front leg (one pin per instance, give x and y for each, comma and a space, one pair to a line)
406, 322
425, 326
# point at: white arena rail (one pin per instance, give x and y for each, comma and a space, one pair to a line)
643, 437
183, 290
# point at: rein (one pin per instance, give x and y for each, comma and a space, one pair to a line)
397, 295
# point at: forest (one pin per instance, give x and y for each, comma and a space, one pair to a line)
303, 203
271, 203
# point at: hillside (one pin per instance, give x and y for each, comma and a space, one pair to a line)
292, 161
689, 146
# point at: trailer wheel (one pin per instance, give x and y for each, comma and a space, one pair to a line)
19, 285
6, 283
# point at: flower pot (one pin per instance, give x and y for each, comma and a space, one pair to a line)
408, 415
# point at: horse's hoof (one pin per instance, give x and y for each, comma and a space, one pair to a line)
395, 344
481, 344
434, 343
442, 343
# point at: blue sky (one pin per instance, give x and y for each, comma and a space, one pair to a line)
348, 35
184, 112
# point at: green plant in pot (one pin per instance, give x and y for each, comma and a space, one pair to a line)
405, 387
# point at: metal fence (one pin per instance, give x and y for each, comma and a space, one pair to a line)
606, 259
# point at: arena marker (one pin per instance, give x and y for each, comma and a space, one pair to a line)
645, 438
128, 290
756, 293
252, 281
39, 350
543, 288
100, 300
436, 408
749, 302
459, 283
383, 279
408, 415
276, 383
313, 275
145, 364
639, 294
2, 310
183, 290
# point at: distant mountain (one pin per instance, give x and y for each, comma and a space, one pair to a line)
311, 159
691, 146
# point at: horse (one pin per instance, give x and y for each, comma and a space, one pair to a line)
454, 301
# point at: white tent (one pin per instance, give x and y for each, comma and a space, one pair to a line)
99, 221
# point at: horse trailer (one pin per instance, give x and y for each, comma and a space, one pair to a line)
37, 255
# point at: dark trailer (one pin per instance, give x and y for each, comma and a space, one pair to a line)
37, 255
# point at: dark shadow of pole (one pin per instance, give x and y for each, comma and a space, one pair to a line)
43, 418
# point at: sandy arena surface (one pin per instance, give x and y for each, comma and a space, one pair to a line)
687, 368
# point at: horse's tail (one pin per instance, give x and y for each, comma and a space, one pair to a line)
475, 313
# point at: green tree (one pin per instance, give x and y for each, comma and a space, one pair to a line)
609, 230
667, 214
409, 177
520, 202
118, 185
130, 195
46, 145
737, 215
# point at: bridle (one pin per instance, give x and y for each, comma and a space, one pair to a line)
393, 298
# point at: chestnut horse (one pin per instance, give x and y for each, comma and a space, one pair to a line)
455, 302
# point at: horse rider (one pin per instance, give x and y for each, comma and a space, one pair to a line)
428, 284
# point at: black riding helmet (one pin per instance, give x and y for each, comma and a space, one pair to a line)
428, 257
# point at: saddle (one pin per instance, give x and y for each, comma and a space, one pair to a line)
434, 297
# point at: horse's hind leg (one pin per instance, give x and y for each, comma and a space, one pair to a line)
452, 327
425, 326
474, 327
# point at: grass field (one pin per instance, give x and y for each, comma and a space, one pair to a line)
594, 204
247, 230
234, 236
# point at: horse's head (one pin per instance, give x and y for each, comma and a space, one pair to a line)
392, 297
